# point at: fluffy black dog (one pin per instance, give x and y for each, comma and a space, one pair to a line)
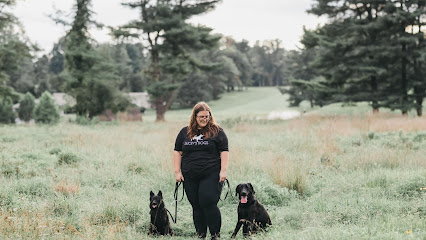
159, 219
251, 214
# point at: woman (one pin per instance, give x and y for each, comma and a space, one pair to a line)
200, 160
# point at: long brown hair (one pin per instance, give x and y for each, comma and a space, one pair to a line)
210, 130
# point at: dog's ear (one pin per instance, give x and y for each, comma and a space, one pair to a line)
160, 194
252, 189
237, 189
151, 194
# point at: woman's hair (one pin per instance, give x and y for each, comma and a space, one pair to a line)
210, 130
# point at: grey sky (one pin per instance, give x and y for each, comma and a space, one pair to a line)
242, 19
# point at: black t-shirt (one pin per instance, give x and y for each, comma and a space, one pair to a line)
199, 154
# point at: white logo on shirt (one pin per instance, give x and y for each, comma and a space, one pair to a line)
198, 138
198, 141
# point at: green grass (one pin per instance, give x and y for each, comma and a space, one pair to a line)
329, 174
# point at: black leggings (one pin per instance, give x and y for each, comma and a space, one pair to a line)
203, 192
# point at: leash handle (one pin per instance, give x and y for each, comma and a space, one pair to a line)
176, 194
229, 189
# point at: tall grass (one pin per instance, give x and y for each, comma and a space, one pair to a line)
319, 176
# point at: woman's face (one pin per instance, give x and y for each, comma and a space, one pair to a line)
203, 117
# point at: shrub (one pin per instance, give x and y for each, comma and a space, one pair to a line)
6, 112
55, 151
26, 107
46, 111
67, 158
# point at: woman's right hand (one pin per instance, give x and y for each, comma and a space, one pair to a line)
179, 177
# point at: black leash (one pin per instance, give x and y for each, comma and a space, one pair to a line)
229, 189
176, 196
176, 200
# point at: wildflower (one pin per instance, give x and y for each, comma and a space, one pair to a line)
408, 232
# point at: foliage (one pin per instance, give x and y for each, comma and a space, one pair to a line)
366, 52
41, 75
172, 41
91, 80
67, 158
6, 112
14, 53
46, 110
26, 107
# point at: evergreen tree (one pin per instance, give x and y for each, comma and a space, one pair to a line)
6, 112
91, 80
56, 66
406, 78
13, 50
138, 61
171, 43
26, 107
358, 49
46, 111
41, 75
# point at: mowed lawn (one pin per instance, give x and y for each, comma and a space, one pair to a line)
332, 173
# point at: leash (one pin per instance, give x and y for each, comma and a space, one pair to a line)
176, 194
229, 189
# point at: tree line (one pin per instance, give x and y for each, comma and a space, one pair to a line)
372, 51
178, 63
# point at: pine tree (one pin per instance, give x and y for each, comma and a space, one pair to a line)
46, 111
26, 107
6, 112
367, 54
91, 80
171, 43
12, 51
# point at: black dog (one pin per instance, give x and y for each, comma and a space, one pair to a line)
159, 219
251, 214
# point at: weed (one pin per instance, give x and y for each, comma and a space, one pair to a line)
68, 158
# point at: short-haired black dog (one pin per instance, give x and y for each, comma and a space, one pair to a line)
251, 214
159, 219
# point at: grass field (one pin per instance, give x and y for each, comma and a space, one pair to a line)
333, 173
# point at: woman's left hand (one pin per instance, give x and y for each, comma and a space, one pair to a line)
222, 176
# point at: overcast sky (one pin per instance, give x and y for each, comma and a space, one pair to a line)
242, 19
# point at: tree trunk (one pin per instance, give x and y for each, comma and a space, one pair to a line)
160, 110
375, 104
163, 104
419, 103
404, 100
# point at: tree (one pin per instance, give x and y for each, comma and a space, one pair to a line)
56, 66
6, 112
46, 110
13, 50
26, 107
268, 62
90, 79
41, 75
357, 50
407, 79
171, 43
